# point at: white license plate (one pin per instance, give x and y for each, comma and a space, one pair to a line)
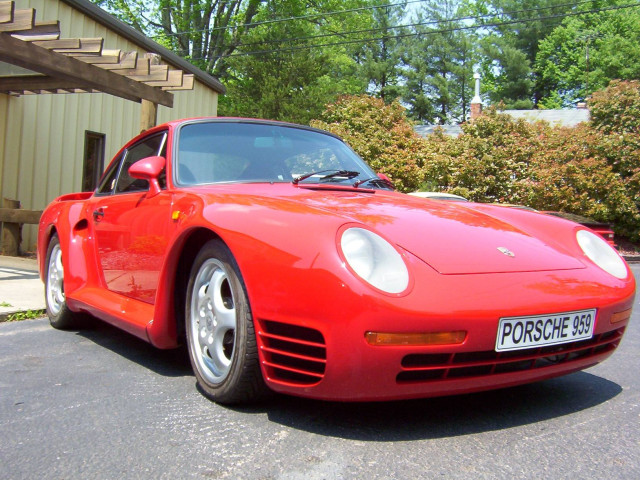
517, 333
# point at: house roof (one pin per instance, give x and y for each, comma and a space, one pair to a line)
96, 13
450, 130
556, 118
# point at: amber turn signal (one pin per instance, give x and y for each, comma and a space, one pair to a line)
431, 338
621, 316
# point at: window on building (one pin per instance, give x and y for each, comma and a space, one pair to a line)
93, 160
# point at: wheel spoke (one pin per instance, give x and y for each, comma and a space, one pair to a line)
216, 351
59, 268
226, 317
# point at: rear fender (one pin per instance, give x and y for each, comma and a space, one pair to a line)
68, 218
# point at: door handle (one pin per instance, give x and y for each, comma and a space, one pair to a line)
98, 214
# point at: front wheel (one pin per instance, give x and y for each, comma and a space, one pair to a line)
219, 327
59, 314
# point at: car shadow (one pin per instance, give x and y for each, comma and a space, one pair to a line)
168, 363
429, 418
444, 416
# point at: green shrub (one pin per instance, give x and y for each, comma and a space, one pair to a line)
616, 109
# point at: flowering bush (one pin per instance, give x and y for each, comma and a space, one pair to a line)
592, 169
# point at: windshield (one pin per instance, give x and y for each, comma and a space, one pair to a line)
236, 151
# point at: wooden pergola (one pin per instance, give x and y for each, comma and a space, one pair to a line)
37, 61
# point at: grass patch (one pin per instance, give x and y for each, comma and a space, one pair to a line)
26, 315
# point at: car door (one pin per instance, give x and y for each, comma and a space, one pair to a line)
131, 228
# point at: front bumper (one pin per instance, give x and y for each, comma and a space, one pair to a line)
325, 355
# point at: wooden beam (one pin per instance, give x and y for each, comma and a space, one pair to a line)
174, 79
88, 46
22, 20
128, 60
60, 43
187, 83
6, 12
158, 73
47, 30
35, 83
11, 231
41, 60
107, 57
18, 215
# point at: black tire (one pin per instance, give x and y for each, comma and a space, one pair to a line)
59, 314
220, 335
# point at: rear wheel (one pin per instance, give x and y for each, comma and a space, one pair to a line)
59, 314
219, 325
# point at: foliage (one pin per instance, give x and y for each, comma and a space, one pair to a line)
616, 109
26, 315
275, 75
439, 64
381, 134
203, 31
380, 60
285, 59
577, 170
509, 46
586, 52
490, 161
573, 174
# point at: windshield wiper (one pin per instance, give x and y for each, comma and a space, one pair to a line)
348, 174
377, 181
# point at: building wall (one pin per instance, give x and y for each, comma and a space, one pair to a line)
42, 136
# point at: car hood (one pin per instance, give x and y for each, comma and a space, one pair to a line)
453, 238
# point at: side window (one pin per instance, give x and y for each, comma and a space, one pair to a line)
108, 182
148, 147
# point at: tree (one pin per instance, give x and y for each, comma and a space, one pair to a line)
586, 52
202, 31
380, 59
279, 74
508, 78
509, 47
265, 51
439, 62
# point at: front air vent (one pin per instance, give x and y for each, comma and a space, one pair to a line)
443, 366
292, 354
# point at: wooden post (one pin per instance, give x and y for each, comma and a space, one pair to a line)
148, 109
148, 115
11, 232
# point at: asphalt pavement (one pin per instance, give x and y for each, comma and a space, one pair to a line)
99, 403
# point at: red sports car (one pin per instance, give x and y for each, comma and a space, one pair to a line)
286, 264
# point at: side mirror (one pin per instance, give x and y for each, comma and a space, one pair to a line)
149, 169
